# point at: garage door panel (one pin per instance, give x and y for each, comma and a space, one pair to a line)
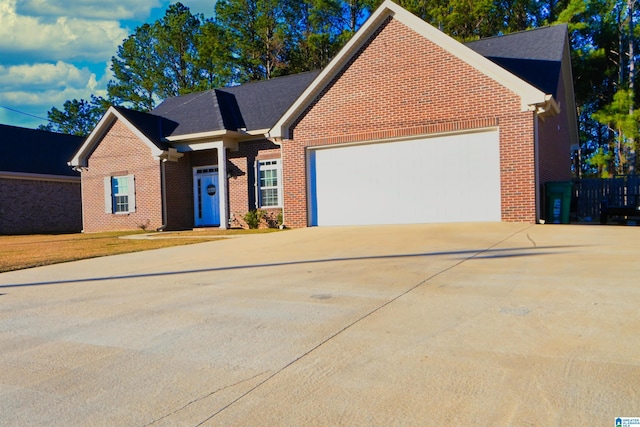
440, 179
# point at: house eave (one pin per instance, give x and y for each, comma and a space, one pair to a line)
549, 107
80, 159
240, 135
38, 177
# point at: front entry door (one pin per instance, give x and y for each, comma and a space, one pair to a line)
206, 196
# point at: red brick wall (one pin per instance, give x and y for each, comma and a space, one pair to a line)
399, 84
39, 206
121, 153
554, 144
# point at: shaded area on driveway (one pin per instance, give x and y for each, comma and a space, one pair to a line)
482, 254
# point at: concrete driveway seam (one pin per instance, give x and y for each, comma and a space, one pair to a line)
198, 399
358, 320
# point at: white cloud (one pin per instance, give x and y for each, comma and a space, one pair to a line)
36, 88
62, 38
88, 9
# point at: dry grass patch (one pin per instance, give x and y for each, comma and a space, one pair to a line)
18, 252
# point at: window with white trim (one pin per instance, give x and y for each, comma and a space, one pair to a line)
119, 194
269, 185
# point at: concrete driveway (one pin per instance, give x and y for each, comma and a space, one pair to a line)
429, 325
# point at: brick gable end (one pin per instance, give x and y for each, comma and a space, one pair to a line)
400, 83
121, 152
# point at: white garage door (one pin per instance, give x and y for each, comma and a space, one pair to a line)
452, 178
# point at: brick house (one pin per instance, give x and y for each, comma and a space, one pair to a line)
39, 193
405, 125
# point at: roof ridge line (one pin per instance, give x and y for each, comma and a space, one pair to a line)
544, 27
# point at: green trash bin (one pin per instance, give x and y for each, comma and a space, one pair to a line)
557, 202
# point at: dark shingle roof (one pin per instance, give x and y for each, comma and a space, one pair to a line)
194, 113
534, 55
35, 151
264, 103
251, 106
155, 128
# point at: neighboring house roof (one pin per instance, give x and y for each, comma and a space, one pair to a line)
35, 152
534, 55
531, 97
252, 106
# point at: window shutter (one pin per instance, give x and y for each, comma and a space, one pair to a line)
132, 193
108, 208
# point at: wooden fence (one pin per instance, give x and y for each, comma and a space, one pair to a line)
588, 193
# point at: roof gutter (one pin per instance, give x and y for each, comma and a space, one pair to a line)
38, 177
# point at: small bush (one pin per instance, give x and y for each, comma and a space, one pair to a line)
252, 218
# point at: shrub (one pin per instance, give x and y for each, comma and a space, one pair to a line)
252, 218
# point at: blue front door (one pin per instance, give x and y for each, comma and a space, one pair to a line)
206, 197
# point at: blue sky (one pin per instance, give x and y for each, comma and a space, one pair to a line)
55, 50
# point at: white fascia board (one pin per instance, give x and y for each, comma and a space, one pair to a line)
38, 177
530, 96
241, 135
196, 146
96, 135
210, 144
257, 132
80, 158
200, 135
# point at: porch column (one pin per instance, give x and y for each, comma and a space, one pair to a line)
222, 183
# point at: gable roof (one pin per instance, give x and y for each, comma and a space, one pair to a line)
153, 127
36, 152
252, 106
531, 97
147, 127
534, 55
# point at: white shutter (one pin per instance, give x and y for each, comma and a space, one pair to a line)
131, 182
108, 207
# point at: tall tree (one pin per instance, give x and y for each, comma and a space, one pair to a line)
259, 35
177, 54
78, 117
601, 68
138, 71
356, 11
212, 58
317, 34
175, 45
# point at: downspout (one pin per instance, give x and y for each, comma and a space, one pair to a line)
163, 179
536, 163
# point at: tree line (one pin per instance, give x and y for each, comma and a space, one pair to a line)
248, 40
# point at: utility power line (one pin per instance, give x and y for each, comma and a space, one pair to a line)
22, 112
